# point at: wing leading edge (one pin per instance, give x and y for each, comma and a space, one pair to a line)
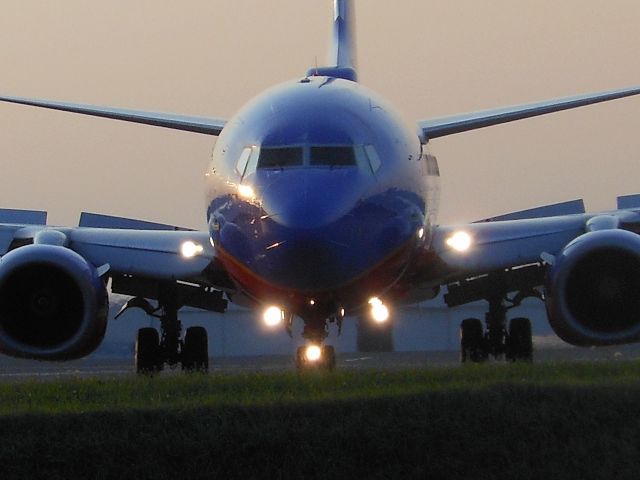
440, 127
207, 126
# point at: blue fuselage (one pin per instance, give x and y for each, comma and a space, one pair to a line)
318, 190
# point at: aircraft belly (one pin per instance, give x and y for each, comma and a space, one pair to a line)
268, 258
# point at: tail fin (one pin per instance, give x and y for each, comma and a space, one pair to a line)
342, 55
343, 48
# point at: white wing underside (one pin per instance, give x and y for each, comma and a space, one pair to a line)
498, 245
146, 253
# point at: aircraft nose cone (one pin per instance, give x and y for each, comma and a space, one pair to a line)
307, 198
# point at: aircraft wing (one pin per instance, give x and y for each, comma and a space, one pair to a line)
147, 253
440, 127
122, 246
504, 244
207, 126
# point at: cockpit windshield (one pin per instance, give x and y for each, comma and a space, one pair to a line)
315, 156
332, 156
363, 157
280, 157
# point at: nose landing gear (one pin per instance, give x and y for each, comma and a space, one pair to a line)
315, 355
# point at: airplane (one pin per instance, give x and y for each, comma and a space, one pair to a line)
321, 205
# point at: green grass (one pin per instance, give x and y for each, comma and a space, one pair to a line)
492, 421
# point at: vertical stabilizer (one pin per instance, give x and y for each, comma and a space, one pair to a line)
343, 48
342, 52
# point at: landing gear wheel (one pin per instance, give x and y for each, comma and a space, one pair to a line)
519, 342
147, 351
195, 350
472, 341
327, 360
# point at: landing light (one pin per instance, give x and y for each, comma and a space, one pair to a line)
421, 233
313, 353
379, 311
190, 249
273, 316
246, 191
460, 241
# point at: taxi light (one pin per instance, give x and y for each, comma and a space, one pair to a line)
273, 316
190, 249
460, 241
313, 353
245, 191
379, 311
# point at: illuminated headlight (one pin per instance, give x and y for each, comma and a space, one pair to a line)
421, 233
190, 249
379, 311
460, 241
313, 353
246, 191
273, 316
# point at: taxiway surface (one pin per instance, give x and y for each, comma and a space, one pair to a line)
20, 370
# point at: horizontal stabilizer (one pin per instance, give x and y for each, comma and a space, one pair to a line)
629, 201
565, 208
23, 217
95, 220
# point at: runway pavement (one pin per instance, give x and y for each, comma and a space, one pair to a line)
12, 370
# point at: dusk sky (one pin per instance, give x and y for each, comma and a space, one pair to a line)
207, 58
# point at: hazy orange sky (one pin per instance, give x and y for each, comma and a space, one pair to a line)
207, 58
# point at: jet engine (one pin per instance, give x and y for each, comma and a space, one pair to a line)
593, 289
53, 304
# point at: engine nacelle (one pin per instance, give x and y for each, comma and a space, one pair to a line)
593, 289
53, 304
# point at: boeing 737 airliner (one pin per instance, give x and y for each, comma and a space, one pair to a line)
322, 205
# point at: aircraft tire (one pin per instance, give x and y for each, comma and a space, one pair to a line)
519, 342
472, 342
195, 350
328, 361
147, 354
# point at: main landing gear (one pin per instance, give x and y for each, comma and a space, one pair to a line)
477, 343
153, 350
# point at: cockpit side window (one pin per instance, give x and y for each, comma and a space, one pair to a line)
374, 159
280, 157
332, 156
241, 166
